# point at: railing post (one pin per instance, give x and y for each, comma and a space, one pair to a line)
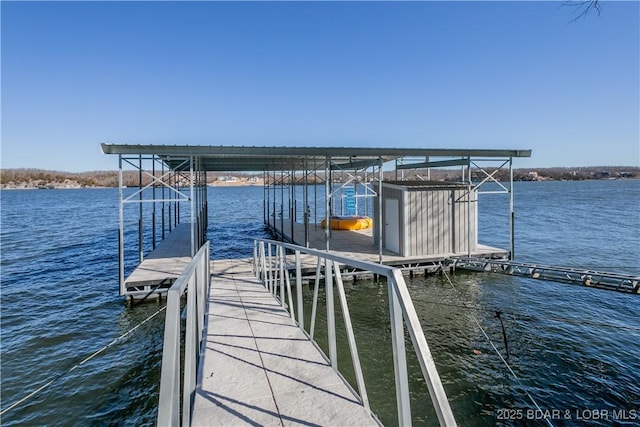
189, 352
169, 402
270, 274
255, 258
331, 320
263, 267
427, 365
399, 357
280, 252
353, 348
314, 305
299, 291
203, 288
201, 273
275, 273
207, 255
292, 311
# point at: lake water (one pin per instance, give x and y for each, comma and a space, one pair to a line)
572, 348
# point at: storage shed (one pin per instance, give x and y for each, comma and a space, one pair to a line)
426, 218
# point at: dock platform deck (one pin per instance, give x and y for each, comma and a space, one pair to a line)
259, 368
164, 264
358, 244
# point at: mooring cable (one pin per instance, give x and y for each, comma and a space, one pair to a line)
57, 377
497, 351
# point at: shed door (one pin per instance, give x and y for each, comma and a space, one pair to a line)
391, 225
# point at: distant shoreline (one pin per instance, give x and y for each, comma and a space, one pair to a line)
34, 179
231, 185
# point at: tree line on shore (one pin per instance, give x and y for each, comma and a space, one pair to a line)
39, 178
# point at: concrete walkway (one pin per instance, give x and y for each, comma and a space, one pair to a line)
259, 368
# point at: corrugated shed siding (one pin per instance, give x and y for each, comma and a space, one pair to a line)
465, 218
412, 222
397, 194
430, 214
419, 237
443, 221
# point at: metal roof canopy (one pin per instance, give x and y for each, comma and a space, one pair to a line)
222, 158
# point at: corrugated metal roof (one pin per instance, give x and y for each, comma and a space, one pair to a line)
253, 158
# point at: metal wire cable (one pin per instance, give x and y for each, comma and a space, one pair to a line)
57, 377
498, 352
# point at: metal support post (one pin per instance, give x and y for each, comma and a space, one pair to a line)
292, 199
327, 195
153, 212
192, 207
381, 216
163, 178
469, 207
169, 211
305, 198
366, 181
511, 213
140, 231
315, 197
282, 205
274, 201
121, 229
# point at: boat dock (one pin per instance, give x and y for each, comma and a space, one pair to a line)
259, 368
236, 349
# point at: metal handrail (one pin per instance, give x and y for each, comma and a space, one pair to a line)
194, 281
270, 265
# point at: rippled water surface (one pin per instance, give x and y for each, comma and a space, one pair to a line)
572, 348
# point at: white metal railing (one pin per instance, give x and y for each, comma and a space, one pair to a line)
194, 281
271, 266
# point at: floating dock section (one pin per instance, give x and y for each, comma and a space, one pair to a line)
160, 268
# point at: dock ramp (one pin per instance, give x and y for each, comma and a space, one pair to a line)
259, 368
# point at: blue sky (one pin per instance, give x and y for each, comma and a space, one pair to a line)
376, 74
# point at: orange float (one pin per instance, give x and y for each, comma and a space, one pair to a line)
348, 222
